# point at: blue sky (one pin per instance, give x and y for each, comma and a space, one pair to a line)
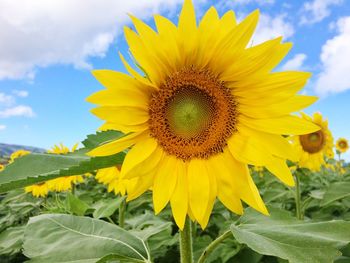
48, 48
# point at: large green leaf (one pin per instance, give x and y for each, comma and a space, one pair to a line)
283, 236
94, 140
65, 238
11, 240
335, 192
36, 168
107, 207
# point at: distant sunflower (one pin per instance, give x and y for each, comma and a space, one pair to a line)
38, 190
206, 107
342, 145
313, 147
64, 183
18, 154
2, 167
111, 177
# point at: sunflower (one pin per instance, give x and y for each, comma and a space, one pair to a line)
64, 183
206, 106
313, 147
38, 190
18, 154
342, 145
2, 167
111, 177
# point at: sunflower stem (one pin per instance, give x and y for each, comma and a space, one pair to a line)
210, 248
122, 208
186, 250
299, 213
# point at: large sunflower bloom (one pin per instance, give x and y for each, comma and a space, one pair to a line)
342, 145
64, 183
207, 107
312, 148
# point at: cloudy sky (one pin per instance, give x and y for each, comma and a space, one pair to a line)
48, 48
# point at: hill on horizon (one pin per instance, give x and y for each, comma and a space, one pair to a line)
8, 149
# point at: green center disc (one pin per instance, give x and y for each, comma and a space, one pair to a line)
190, 112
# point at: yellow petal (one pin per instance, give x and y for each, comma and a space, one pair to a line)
275, 144
280, 169
248, 150
120, 97
135, 74
164, 182
245, 184
187, 19
179, 199
119, 145
198, 185
147, 166
288, 125
122, 115
283, 107
139, 153
227, 192
123, 128
141, 185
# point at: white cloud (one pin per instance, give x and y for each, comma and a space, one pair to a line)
295, 63
234, 3
21, 93
17, 111
335, 55
317, 10
39, 33
272, 27
6, 100
2, 127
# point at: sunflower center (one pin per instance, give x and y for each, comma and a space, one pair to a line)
313, 142
189, 112
343, 145
193, 114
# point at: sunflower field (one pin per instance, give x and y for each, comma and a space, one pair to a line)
205, 155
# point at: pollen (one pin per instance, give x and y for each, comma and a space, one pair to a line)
192, 114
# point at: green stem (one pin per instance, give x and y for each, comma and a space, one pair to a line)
122, 208
110, 220
186, 250
73, 189
298, 197
210, 248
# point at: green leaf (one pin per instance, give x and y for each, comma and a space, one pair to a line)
283, 236
107, 207
94, 140
36, 168
75, 205
335, 192
11, 240
65, 238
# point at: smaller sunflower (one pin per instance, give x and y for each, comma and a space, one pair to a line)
2, 167
111, 177
38, 190
64, 183
342, 145
312, 148
18, 154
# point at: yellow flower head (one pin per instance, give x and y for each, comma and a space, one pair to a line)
313, 147
342, 145
18, 154
65, 183
111, 177
2, 167
207, 105
38, 190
